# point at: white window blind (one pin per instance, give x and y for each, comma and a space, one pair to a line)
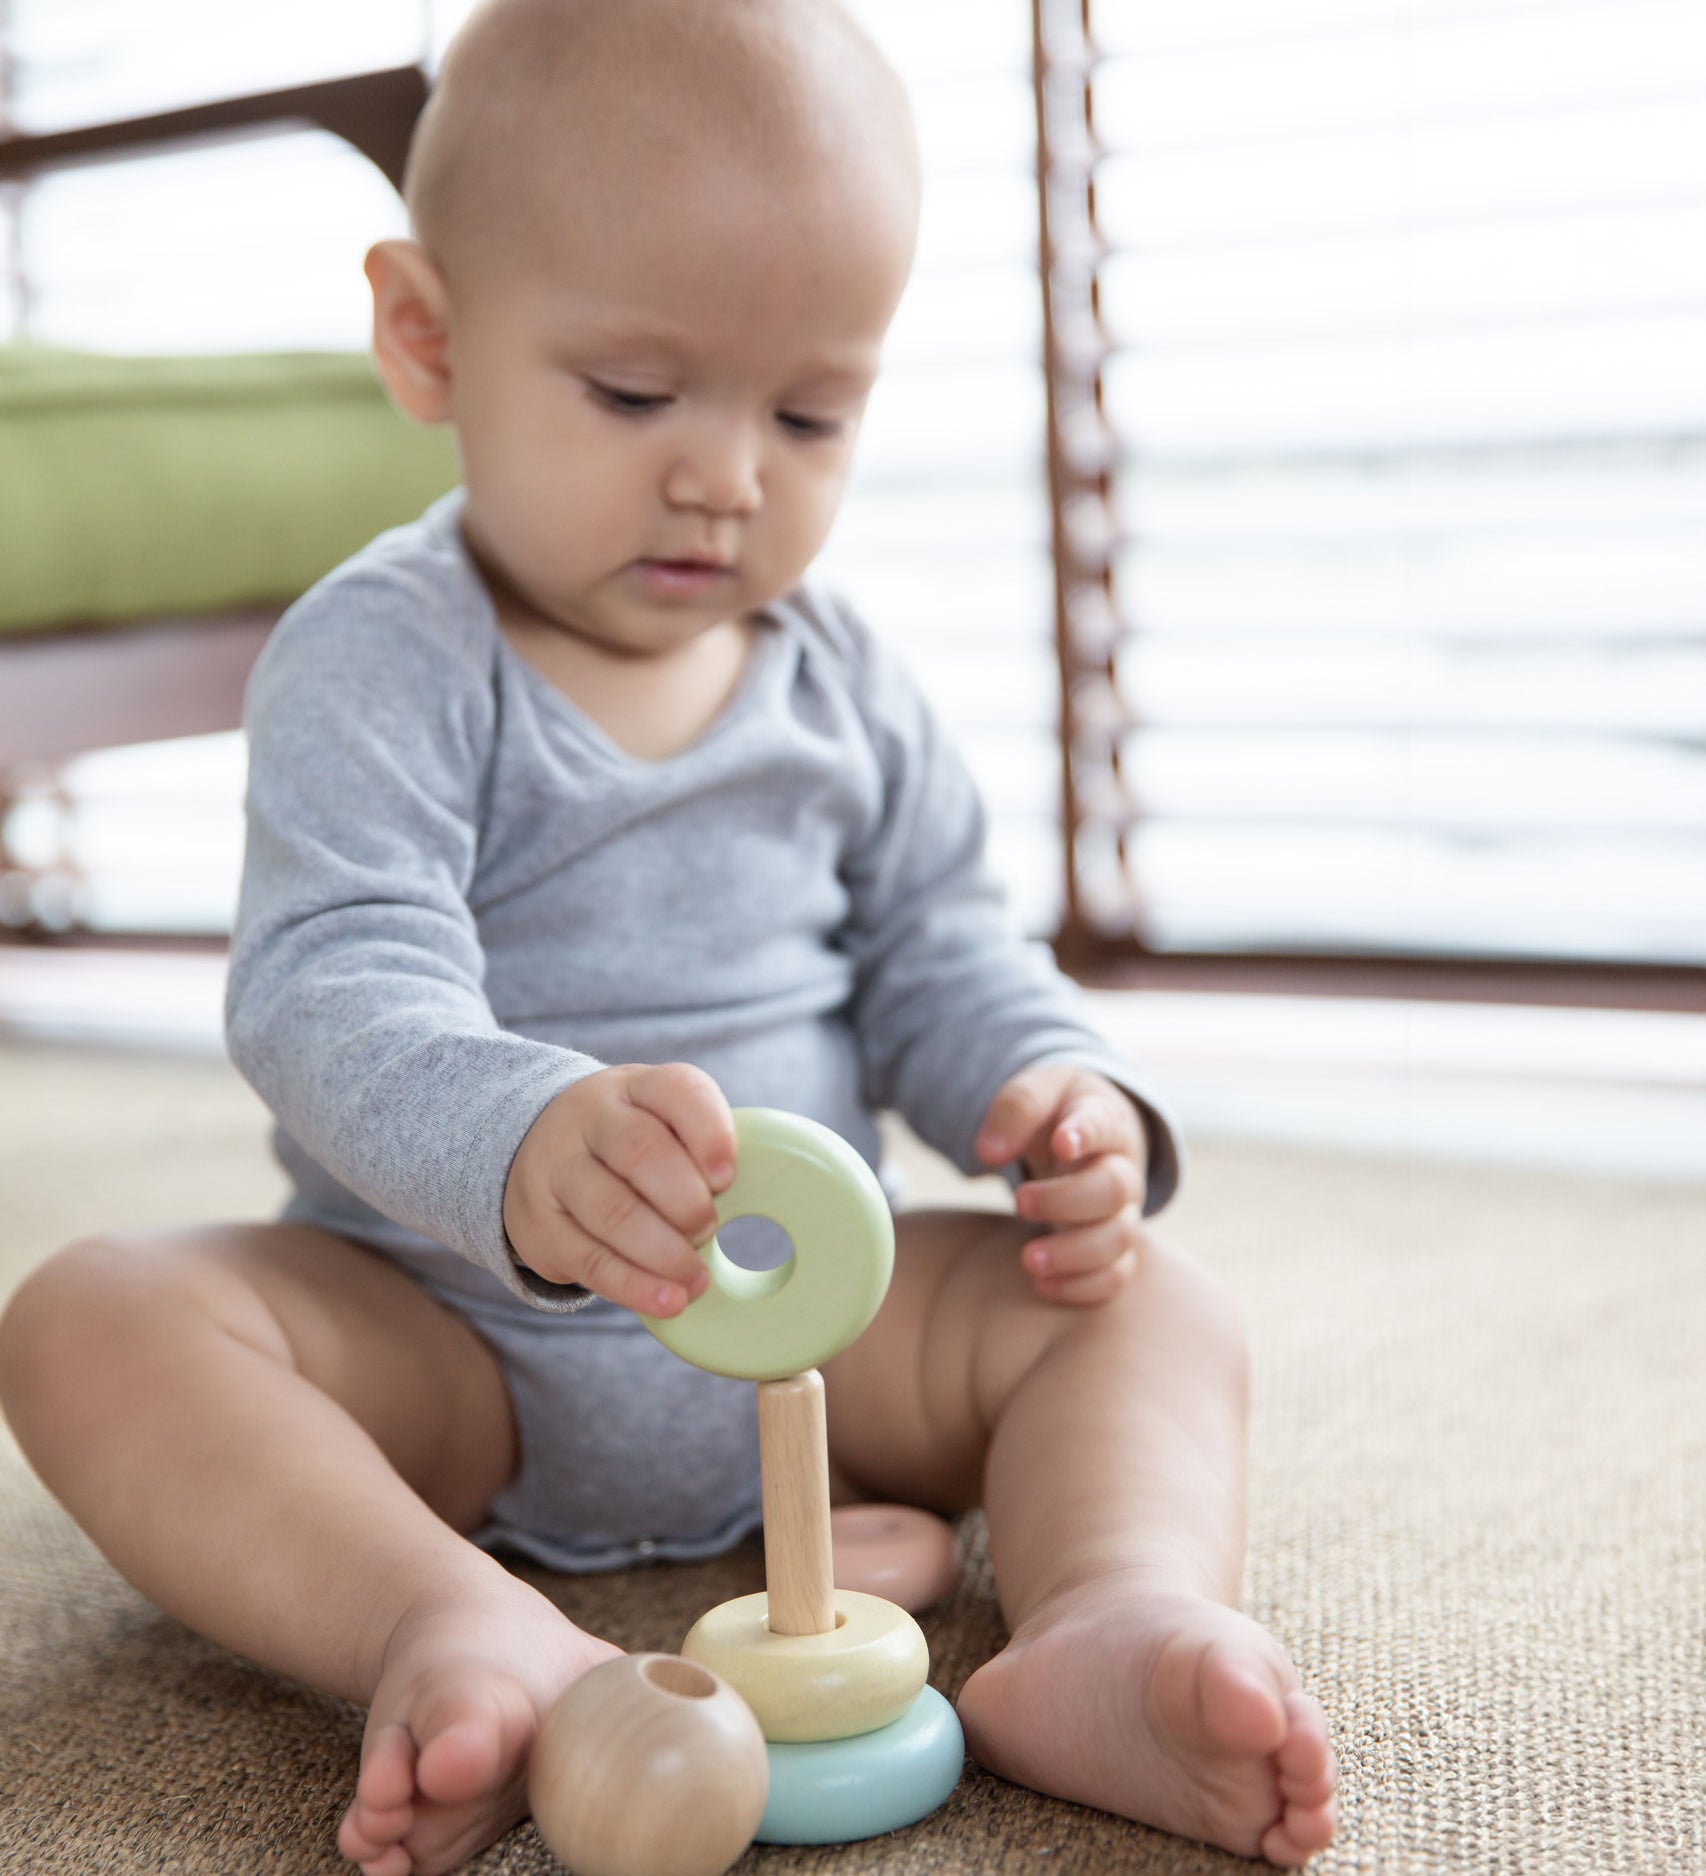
1405, 309
254, 244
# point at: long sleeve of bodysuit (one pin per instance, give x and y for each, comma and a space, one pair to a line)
949, 1003
356, 1005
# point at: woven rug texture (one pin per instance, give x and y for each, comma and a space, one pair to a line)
1478, 1523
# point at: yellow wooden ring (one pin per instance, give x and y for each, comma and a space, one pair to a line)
860, 1675
763, 1325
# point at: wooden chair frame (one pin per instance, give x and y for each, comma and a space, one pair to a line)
69, 689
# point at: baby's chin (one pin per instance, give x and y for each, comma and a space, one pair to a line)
638, 633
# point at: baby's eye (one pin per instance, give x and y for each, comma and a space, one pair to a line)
632, 402
808, 426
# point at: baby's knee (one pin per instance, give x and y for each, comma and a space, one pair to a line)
1168, 1314
1196, 1307
43, 1326
76, 1322
73, 1290
1168, 1310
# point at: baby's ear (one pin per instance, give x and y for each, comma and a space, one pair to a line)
410, 333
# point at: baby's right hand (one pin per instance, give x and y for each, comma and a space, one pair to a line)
613, 1185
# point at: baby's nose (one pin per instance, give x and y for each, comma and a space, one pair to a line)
719, 472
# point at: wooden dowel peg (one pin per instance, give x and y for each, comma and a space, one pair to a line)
793, 1449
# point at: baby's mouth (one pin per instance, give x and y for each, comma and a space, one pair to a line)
689, 576
707, 563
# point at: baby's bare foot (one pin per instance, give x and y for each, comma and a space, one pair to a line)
1170, 1709
460, 1697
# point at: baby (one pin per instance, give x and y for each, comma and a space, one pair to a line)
577, 813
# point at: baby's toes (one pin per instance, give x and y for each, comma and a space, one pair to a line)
1308, 1773
395, 1861
375, 1843
374, 1840
1300, 1833
382, 1809
1307, 1779
1241, 1710
472, 1745
386, 1781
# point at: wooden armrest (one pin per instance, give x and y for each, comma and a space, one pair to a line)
65, 692
373, 111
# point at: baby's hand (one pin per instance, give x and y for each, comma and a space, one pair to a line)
612, 1186
1082, 1142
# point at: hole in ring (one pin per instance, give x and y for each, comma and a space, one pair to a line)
669, 1674
755, 1243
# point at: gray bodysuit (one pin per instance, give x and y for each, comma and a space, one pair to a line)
460, 896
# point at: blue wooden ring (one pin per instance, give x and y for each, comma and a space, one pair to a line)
839, 1790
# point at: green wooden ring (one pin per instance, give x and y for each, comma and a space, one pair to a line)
760, 1325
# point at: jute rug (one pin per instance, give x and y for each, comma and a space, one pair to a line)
1478, 1524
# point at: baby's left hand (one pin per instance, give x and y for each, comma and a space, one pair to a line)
1080, 1139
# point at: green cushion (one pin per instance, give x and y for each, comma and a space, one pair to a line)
133, 488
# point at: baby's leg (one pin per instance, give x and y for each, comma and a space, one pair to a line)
278, 1437
1106, 1445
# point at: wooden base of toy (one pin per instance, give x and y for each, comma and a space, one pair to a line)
840, 1790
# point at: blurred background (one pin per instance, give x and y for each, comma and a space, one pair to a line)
1296, 504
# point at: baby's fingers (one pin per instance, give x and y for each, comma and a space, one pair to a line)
1084, 1196
1094, 1118
641, 1152
691, 1105
610, 1275
1093, 1287
641, 1260
1087, 1264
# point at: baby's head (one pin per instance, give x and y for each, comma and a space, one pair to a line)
658, 244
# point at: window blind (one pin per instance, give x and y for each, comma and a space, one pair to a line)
1378, 400
943, 541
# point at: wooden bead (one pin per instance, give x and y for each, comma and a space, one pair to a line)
648, 1766
864, 1673
896, 1551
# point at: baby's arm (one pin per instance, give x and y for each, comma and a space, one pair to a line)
1081, 1140
952, 1007
613, 1186
357, 1003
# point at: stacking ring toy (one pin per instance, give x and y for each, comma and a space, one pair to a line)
763, 1325
896, 1551
828, 1672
